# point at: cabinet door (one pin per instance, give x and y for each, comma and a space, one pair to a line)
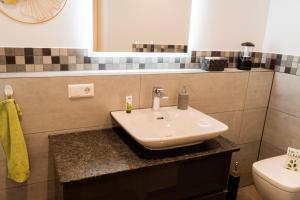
198, 178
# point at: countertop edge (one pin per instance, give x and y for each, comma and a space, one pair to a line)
230, 148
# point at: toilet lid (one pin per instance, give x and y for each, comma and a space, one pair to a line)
273, 171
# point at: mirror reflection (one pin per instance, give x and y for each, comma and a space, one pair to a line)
141, 25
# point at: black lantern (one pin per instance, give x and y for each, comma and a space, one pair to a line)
245, 58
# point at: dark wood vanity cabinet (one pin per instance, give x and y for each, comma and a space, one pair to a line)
200, 176
199, 179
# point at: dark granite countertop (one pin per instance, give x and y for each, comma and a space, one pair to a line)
91, 154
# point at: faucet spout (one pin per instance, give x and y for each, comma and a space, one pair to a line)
158, 94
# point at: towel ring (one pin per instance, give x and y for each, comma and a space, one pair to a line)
8, 91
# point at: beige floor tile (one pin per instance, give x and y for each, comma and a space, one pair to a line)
248, 193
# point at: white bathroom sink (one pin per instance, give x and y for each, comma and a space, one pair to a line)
169, 127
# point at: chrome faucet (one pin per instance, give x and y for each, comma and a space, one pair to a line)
158, 94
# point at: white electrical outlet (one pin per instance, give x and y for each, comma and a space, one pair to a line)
81, 90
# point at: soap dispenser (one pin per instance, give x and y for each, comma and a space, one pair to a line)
183, 99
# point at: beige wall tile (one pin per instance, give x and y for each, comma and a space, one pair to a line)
285, 94
247, 155
38, 191
258, 91
209, 92
268, 150
246, 179
218, 92
2, 68
41, 169
20, 60
2, 52
252, 125
54, 52
282, 130
37, 143
29, 68
46, 106
38, 68
47, 60
170, 82
233, 121
51, 122
72, 59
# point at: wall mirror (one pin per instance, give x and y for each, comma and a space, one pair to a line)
141, 25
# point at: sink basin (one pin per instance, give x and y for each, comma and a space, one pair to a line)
169, 127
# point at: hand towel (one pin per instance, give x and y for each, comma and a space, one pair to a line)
13, 141
9, 1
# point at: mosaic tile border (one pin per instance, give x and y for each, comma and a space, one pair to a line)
160, 48
54, 59
62, 59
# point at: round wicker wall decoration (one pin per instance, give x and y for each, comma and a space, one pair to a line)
32, 11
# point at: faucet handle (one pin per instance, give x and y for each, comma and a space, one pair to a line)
157, 89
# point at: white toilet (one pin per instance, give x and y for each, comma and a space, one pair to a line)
274, 182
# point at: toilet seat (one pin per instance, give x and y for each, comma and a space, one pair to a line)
273, 171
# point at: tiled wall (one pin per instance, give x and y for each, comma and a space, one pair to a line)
281, 63
239, 99
53, 59
46, 59
159, 48
282, 129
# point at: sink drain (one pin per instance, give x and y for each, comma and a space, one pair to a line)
160, 118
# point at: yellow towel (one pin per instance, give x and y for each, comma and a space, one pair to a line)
10, 1
13, 141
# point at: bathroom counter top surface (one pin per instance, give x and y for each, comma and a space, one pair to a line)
91, 154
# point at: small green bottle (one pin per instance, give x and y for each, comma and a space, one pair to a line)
129, 105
